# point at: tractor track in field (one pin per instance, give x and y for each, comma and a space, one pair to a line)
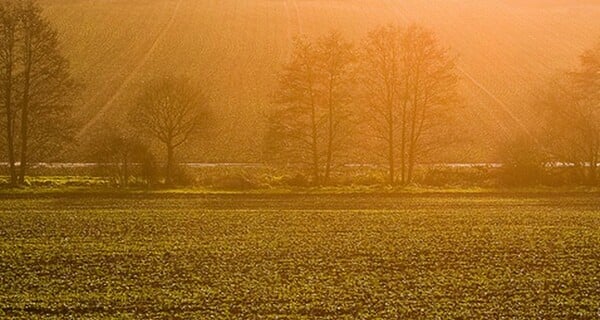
142, 62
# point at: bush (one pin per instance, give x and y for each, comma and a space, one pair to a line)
298, 180
182, 176
522, 162
235, 182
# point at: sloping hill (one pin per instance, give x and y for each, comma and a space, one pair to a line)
236, 46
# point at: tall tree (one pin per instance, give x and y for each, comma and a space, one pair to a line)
294, 125
9, 37
410, 86
45, 85
37, 89
432, 93
311, 123
171, 110
336, 60
381, 81
570, 107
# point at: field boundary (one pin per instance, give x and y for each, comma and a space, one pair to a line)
42, 193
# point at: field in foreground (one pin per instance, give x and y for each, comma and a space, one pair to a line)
292, 256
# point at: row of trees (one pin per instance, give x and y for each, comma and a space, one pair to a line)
38, 93
395, 90
399, 87
36, 88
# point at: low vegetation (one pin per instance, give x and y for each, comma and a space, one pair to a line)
283, 256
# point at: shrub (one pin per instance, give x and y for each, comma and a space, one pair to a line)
522, 162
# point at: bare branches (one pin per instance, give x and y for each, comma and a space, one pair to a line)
409, 84
570, 109
312, 120
172, 111
37, 88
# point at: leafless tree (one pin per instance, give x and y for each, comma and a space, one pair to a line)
410, 87
171, 110
311, 123
47, 89
381, 82
37, 88
570, 107
336, 61
9, 37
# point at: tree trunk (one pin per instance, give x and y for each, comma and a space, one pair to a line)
169, 175
593, 169
403, 145
391, 146
329, 134
315, 156
412, 147
25, 108
126, 171
10, 120
392, 167
11, 147
315, 141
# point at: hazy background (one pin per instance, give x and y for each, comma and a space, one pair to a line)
506, 49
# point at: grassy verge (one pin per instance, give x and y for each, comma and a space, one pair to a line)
101, 190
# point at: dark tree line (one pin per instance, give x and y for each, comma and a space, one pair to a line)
396, 90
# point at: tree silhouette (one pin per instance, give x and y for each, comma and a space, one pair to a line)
311, 123
410, 88
36, 86
172, 111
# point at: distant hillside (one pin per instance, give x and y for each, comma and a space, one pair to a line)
236, 46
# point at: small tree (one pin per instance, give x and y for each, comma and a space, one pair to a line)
170, 110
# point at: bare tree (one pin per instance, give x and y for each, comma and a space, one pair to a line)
37, 88
570, 107
432, 93
381, 80
410, 86
336, 60
311, 123
9, 37
46, 88
172, 111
